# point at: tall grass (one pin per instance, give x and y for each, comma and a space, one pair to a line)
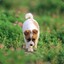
50, 45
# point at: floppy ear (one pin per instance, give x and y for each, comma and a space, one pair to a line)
27, 32
35, 31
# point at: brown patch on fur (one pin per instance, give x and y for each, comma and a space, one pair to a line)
35, 31
27, 34
34, 37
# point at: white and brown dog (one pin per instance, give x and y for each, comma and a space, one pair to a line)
30, 32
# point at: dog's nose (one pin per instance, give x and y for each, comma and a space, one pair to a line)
31, 44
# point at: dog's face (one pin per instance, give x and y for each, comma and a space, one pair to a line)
31, 37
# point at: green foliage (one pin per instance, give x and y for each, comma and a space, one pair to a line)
50, 45
8, 4
37, 6
10, 35
6, 16
51, 42
47, 6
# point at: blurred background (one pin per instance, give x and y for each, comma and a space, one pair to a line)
35, 6
50, 16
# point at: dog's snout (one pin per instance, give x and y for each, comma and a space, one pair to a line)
31, 44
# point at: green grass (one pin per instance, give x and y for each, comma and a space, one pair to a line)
50, 45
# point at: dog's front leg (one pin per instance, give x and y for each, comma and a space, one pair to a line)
35, 45
26, 46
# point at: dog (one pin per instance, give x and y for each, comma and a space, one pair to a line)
30, 32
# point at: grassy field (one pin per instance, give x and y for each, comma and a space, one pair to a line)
51, 42
50, 16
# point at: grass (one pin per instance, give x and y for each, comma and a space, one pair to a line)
50, 46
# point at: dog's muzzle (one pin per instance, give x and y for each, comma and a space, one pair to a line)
31, 45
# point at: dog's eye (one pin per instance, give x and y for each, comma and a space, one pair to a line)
33, 39
28, 39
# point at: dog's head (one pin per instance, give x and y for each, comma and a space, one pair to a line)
31, 37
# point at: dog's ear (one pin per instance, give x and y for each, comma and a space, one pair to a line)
27, 32
35, 31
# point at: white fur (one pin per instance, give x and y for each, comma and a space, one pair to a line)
28, 15
29, 25
30, 48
